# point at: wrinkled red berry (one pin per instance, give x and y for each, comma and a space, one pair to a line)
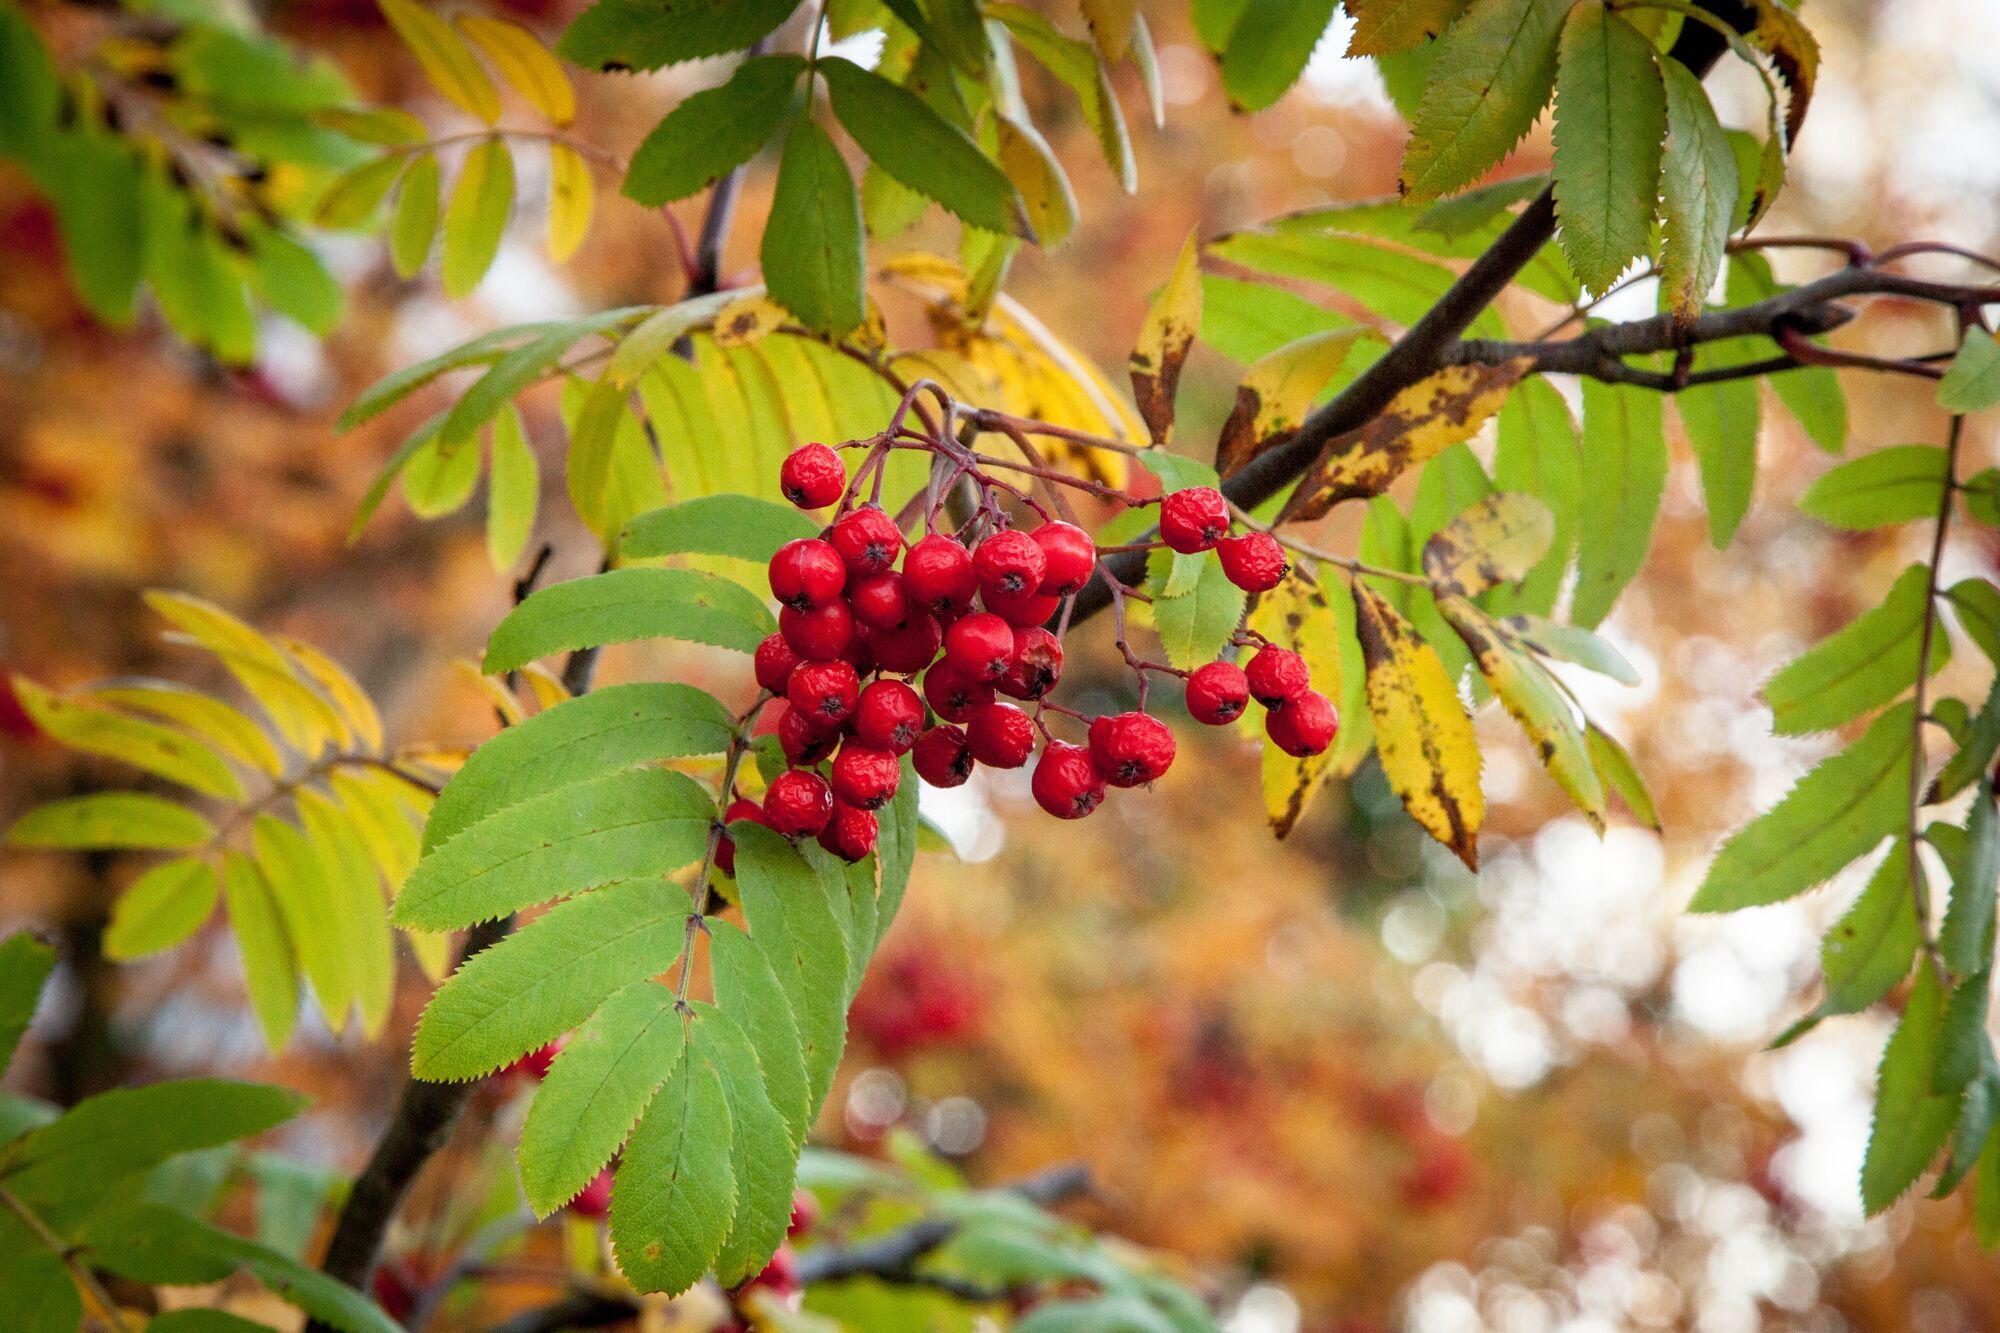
910, 647
825, 692
937, 574
867, 539
1131, 749
807, 573
1066, 783
1194, 519
1009, 562
725, 848
1276, 675
860, 652
1020, 609
952, 694
879, 600
889, 715
594, 1200
1001, 735
943, 757
804, 741
1305, 725
798, 803
1217, 693
981, 646
850, 835
1070, 556
1036, 667
1253, 562
805, 1214
819, 633
865, 777
773, 663
812, 476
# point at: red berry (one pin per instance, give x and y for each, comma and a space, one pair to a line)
849, 835
804, 741
1305, 725
806, 573
1001, 736
981, 646
889, 715
812, 476
780, 1276
595, 1199
1037, 664
1131, 749
773, 663
865, 777
824, 692
1194, 519
805, 1214
1253, 562
1020, 609
395, 1290
952, 694
725, 850
1070, 558
860, 652
943, 757
867, 539
910, 647
798, 803
1009, 562
1276, 675
1217, 693
535, 1064
820, 633
879, 600
937, 574
1066, 782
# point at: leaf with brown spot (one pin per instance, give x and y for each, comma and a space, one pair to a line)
1419, 423
1164, 340
748, 318
1497, 540
1422, 732
1389, 27
1296, 615
1277, 392
1782, 35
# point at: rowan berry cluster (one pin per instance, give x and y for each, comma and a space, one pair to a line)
942, 648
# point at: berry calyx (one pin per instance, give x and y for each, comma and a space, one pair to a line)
868, 540
910, 647
1010, 563
812, 476
818, 633
865, 777
1276, 676
807, 573
1000, 735
879, 601
773, 663
850, 835
1070, 557
889, 715
1253, 562
952, 694
937, 574
1066, 783
943, 757
1194, 519
981, 646
824, 692
725, 848
1131, 749
1306, 725
799, 803
1217, 693
1037, 664
804, 741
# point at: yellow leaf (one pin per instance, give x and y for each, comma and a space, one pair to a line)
222, 725
1111, 24
503, 700
572, 198
545, 685
1045, 189
748, 318
1278, 391
447, 61
353, 703
359, 916
1419, 423
524, 62
1164, 340
149, 746
1422, 731
1295, 615
1498, 540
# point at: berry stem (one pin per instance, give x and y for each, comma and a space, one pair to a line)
739, 744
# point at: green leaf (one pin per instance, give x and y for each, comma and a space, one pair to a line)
162, 908
111, 820
763, 1158
1972, 383
1698, 189
514, 493
1837, 812
1812, 394
36, 1289
1977, 603
1870, 949
1974, 754
646, 34
1195, 608
675, 1192
1965, 939
439, 477
789, 907
545, 979
104, 1139
415, 224
25, 963
1963, 1048
1721, 421
1910, 1123
1977, 1114
903, 136
742, 526
1491, 78
477, 216
148, 1242
1535, 701
270, 969
714, 131
812, 251
292, 280
620, 726
1868, 663
1624, 478
596, 1091
203, 1321
351, 200
646, 821
895, 851
301, 884
1611, 118
1077, 64
626, 604
1568, 643
1536, 454
97, 194
1893, 485
748, 990
1268, 48
321, 1297
513, 369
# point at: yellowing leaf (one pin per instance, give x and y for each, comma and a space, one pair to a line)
1295, 615
1277, 392
348, 697
1422, 732
148, 746
1045, 189
1782, 36
477, 216
1111, 23
1614, 765
544, 685
1164, 340
572, 198
1387, 27
524, 62
1497, 540
1419, 423
447, 61
222, 725
748, 318
503, 700
306, 721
